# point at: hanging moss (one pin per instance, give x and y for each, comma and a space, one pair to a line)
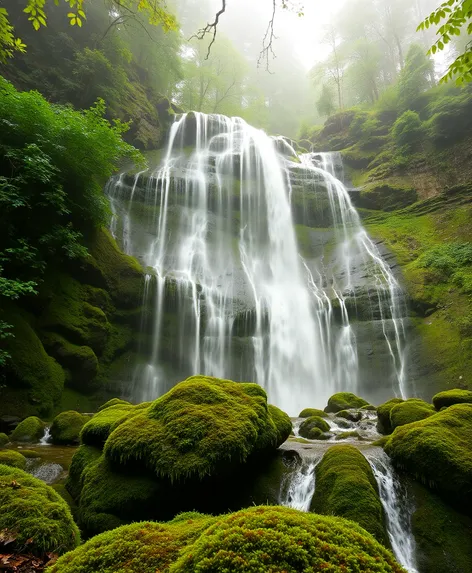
383, 415
66, 427
13, 459
410, 411
438, 452
29, 430
344, 401
308, 412
451, 397
308, 428
200, 427
346, 486
35, 514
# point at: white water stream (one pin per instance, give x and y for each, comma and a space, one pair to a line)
222, 235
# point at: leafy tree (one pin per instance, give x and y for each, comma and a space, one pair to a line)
325, 103
453, 18
416, 76
408, 130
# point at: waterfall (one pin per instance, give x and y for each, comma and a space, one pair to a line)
397, 511
217, 222
45, 440
299, 487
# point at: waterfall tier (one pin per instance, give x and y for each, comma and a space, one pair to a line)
259, 270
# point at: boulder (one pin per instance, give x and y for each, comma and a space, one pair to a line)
313, 427
451, 397
13, 459
308, 412
344, 401
4, 440
409, 411
29, 430
66, 427
383, 415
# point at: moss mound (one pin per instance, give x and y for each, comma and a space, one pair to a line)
308, 412
344, 401
309, 426
66, 427
114, 402
4, 439
13, 459
281, 540
438, 451
29, 430
383, 415
410, 411
348, 415
451, 397
201, 427
96, 431
346, 486
35, 514
84, 457
282, 422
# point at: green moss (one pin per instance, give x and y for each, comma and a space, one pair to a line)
347, 435
30, 367
29, 430
35, 514
282, 423
299, 440
139, 548
13, 459
450, 397
66, 427
4, 439
30, 454
309, 426
409, 411
113, 402
387, 195
344, 401
348, 415
308, 412
438, 451
346, 486
84, 457
281, 540
96, 431
383, 415
200, 427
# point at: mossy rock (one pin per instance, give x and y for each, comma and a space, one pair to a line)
4, 440
30, 454
309, 412
96, 431
383, 415
308, 428
438, 452
84, 457
282, 423
66, 427
29, 430
451, 397
35, 515
346, 486
348, 415
263, 538
387, 195
344, 401
201, 427
114, 402
13, 458
347, 435
409, 411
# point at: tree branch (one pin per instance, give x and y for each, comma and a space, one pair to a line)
211, 26
267, 42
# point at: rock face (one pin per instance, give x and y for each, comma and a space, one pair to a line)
275, 538
156, 459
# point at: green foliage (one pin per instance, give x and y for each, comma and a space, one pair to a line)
408, 130
346, 487
200, 427
457, 14
35, 514
29, 430
313, 423
344, 401
438, 451
415, 77
284, 540
409, 411
66, 427
451, 397
307, 412
13, 459
326, 102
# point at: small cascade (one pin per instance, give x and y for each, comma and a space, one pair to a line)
397, 510
299, 487
46, 439
218, 221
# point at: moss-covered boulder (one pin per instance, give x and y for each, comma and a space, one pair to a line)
84, 457
346, 486
201, 427
349, 415
383, 415
308, 412
258, 539
451, 397
66, 427
4, 439
282, 422
114, 402
29, 430
410, 411
438, 452
35, 515
344, 401
96, 431
13, 459
312, 427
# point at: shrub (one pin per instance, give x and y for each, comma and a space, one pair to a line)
66, 427
29, 430
451, 397
346, 487
408, 130
34, 514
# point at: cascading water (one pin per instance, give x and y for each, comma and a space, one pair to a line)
298, 490
217, 222
397, 510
